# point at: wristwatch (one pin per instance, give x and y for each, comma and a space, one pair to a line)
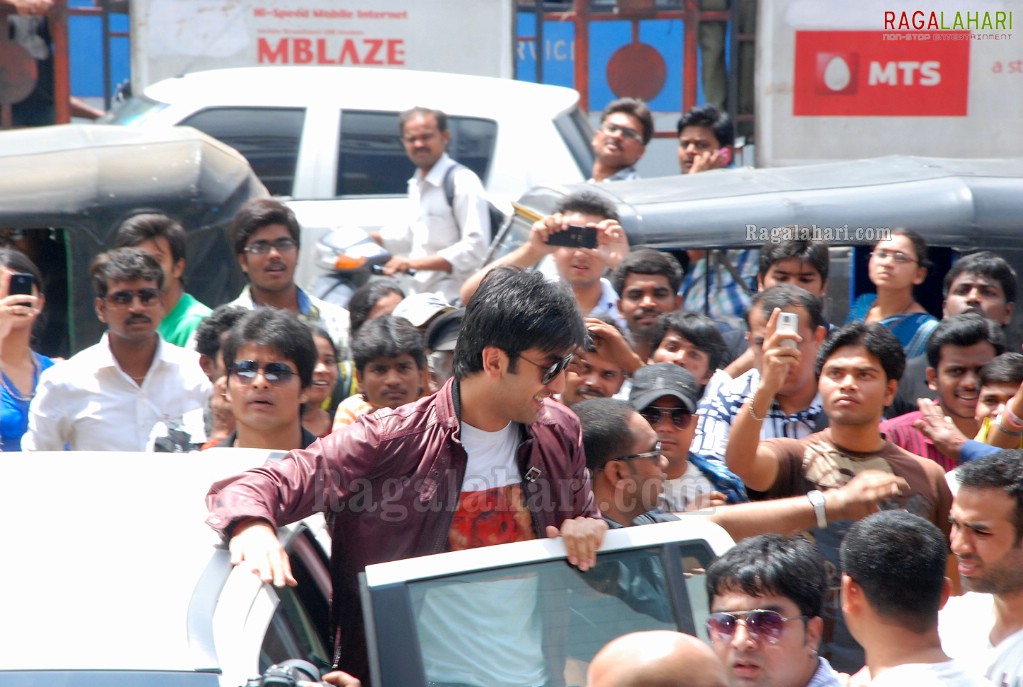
817, 501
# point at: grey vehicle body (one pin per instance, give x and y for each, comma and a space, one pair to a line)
958, 205
82, 181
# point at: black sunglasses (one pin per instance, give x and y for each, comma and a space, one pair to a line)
274, 373
550, 371
680, 417
654, 455
123, 299
760, 624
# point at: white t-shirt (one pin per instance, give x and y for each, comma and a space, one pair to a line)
947, 674
468, 631
688, 488
965, 625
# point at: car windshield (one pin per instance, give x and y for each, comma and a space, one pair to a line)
133, 112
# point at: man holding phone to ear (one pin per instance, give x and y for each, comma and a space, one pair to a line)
585, 239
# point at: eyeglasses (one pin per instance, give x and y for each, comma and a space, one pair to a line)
897, 255
551, 371
615, 130
654, 455
263, 247
274, 373
123, 299
760, 624
680, 417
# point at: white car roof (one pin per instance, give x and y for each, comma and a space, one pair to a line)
383, 89
103, 554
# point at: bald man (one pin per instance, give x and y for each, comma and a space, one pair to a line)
657, 658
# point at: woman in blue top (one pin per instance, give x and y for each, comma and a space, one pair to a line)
20, 366
896, 266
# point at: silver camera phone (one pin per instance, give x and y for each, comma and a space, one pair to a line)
789, 323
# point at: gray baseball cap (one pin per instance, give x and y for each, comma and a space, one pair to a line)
651, 382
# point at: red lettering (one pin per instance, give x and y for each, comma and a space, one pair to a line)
374, 47
349, 53
302, 51
321, 52
267, 54
396, 51
889, 20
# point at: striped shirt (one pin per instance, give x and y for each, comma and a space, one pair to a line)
716, 414
728, 300
901, 432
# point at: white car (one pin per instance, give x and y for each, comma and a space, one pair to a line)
328, 137
111, 577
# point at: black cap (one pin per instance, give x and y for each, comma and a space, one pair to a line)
651, 382
442, 334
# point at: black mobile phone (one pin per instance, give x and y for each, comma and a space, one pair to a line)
574, 237
20, 284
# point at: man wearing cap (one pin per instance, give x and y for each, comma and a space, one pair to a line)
441, 337
666, 396
422, 308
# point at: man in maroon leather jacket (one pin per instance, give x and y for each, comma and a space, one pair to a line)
397, 484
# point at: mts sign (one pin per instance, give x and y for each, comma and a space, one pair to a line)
878, 73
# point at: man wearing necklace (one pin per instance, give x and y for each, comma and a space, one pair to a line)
113, 395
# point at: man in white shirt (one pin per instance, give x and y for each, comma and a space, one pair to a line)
984, 628
893, 583
447, 239
112, 396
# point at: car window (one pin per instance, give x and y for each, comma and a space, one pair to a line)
372, 161
557, 617
299, 627
267, 137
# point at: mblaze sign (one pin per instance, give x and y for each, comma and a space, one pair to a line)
877, 73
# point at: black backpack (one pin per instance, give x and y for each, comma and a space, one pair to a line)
497, 218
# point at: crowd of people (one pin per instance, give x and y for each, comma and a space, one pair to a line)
610, 387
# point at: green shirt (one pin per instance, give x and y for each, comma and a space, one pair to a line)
177, 326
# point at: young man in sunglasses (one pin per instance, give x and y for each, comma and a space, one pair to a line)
666, 395
766, 601
269, 356
265, 236
488, 459
123, 393
626, 126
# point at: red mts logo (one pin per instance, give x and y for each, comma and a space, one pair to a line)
879, 73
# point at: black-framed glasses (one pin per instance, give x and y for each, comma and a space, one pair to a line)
897, 255
551, 371
274, 373
654, 455
283, 245
123, 299
680, 417
616, 130
760, 624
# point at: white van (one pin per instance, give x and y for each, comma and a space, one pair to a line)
327, 137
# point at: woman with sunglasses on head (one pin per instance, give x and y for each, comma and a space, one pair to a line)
20, 366
897, 264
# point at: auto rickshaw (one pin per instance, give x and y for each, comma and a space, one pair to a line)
64, 190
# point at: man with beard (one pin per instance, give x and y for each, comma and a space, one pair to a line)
987, 540
626, 126
592, 372
112, 396
266, 236
647, 281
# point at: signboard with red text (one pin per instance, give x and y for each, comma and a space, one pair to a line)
943, 79
172, 37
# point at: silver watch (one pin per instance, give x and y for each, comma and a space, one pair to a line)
817, 501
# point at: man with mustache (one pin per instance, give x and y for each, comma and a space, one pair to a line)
626, 126
112, 396
266, 236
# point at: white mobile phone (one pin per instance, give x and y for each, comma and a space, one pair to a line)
788, 322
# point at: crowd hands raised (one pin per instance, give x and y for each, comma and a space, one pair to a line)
592, 371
